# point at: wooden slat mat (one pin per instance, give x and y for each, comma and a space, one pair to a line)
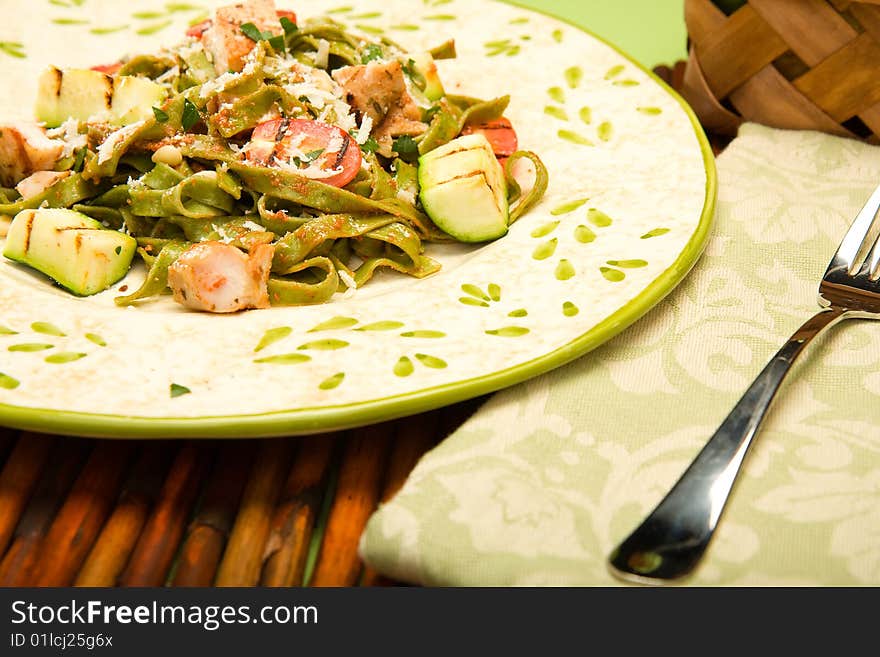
271, 512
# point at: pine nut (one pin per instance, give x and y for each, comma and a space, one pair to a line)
169, 155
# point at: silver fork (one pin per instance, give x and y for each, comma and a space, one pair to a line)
672, 539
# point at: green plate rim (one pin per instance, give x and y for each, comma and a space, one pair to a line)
312, 420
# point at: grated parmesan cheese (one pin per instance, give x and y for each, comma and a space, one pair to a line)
406, 196
363, 132
312, 171
221, 231
316, 97
105, 150
351, 286
68, 133
223, 82
322, 55
169, 75
345, 120
335, 144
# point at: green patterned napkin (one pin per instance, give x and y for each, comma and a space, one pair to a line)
548, 476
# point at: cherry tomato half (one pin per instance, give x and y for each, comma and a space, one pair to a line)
303, 143
109, 69
284, 13
199, 29
500, 134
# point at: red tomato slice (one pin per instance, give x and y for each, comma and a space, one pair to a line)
500, 134
199, 29
284, 13
109, 69
287, 139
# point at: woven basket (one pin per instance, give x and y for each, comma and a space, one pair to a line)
798, 64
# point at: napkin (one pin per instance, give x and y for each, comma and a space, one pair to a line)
548, 476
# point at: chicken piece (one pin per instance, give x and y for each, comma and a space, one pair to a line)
224, 40
219, 278
38, 182
25, 148
378, 90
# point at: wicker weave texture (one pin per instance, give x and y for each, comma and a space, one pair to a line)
798, 64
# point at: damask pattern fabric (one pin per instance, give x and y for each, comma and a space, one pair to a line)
550, 475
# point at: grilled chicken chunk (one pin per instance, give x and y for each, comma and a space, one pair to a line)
378, 90
219, 278
224, 40
25, 148
38, 182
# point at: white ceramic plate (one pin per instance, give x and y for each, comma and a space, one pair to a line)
626, 215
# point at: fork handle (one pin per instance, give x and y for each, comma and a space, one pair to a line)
671, 540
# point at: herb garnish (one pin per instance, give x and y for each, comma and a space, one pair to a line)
371, 52
429, 113
370, 146
288, 26
190, 115
161, 115
309, 157
413, 74
253, 33
406, 147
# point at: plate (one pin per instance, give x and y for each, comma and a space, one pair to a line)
626, 215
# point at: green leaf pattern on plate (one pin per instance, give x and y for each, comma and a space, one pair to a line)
177, 390
272, 336
331, 344
13, 49
332, 382
285, 359
7, 382
47, 329
65, 357
334, 323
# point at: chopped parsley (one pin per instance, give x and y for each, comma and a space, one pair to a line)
370, 146
406, 147
409, 68
429, 113
288, 26
309, 157
371, 53
190, 115
277, 42
253, 33
161, 115
413, 74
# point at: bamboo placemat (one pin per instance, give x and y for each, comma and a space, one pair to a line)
272, 512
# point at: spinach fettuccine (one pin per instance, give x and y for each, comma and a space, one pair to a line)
263, 161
